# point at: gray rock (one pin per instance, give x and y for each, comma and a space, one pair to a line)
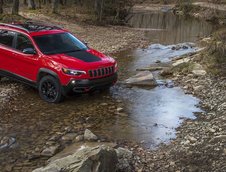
88, 135
125, 160
97, 159
198, 70
79, 138
192, 139
7, 142
144, 78
124, 153
69, 137
119, 109
50, 151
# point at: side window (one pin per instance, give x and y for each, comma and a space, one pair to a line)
23, 42
6, 37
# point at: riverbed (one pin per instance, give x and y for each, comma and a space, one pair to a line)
149, 116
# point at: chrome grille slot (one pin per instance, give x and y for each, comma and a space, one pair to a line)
101, 72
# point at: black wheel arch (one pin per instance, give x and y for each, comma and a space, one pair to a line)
44, 71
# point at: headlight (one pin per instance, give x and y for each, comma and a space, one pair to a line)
73, 72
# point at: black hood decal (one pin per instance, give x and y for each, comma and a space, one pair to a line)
84, 56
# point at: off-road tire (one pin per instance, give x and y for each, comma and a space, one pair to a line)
50, 89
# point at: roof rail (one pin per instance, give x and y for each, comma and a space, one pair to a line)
14, 26
41, 23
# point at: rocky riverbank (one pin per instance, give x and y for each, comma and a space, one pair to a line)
200, 143
212, 12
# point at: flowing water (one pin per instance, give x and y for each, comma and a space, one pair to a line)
149, 116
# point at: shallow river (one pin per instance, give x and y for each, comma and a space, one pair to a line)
150, 115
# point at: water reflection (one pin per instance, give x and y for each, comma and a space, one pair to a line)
169, 28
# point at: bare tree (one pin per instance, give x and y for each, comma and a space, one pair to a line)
31, 4
1, 6
55, 6
25, 2
15, 9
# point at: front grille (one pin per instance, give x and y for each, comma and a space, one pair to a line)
101, 72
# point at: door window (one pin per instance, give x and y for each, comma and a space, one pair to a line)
23, 42
6, 38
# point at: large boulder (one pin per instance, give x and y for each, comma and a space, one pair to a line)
88, 159
143, 79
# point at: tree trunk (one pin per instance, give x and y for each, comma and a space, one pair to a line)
39, 4
31, 4
1, 6
15, 9
101, 10
55, 6
25, 2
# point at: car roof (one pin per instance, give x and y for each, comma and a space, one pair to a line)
34, 28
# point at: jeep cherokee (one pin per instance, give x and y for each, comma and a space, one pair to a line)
53, 60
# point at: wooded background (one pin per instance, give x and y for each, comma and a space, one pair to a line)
116, 10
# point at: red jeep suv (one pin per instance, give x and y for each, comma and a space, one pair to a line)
53, 60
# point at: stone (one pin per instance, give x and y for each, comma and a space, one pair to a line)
50, 151
181, 61
125, 158
124, 153
103, 104
211, 130
96, 159
120, 109
166, 72
79, 138
144, 78
151, 68
7, 142
192, 139
69, 137
199, 72
88, 135
198, 88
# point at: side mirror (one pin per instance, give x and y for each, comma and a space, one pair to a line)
29, 51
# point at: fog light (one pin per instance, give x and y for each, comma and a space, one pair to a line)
73, 82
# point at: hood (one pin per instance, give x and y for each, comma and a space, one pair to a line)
85, 59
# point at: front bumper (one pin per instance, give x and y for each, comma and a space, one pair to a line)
87, 85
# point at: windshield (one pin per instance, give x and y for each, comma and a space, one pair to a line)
59, 43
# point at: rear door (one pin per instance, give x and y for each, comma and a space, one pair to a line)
26, 64
7, 41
